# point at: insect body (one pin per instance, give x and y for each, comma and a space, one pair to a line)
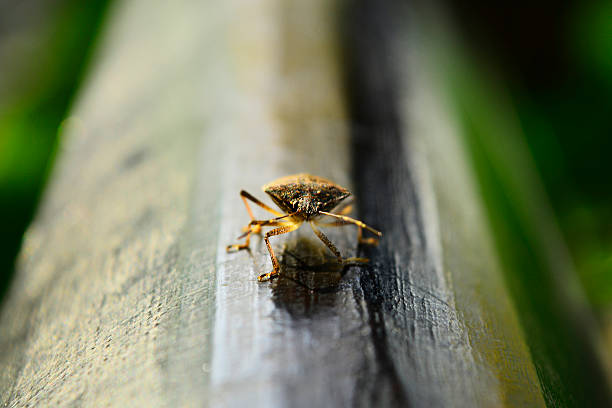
302, 198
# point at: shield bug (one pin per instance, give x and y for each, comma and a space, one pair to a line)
302, 198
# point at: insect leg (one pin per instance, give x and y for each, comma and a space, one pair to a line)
346, 210
247, 196
254, 226
275, 265
326, 241
337, 223
367, 241
361, 225
332, 247
275, 222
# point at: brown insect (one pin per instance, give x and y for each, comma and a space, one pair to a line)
303, 198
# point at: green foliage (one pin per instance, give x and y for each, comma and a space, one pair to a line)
568, 130
41, 79
537, 265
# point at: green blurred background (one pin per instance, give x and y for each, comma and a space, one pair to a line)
552, 62
44, 49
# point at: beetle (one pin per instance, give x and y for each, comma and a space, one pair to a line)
302, 198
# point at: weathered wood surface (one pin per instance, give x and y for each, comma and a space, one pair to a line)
125, 294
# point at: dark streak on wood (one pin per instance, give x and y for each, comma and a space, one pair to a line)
371, 288
402, 288
378, 164
387, 197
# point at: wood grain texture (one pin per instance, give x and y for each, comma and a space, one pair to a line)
448, 325
125, 294
559, 327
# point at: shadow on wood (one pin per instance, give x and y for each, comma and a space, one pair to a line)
308, 286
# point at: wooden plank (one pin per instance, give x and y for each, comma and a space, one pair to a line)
454, 338
125, 294
99, 300
560, 329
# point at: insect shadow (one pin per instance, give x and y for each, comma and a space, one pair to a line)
310, 279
